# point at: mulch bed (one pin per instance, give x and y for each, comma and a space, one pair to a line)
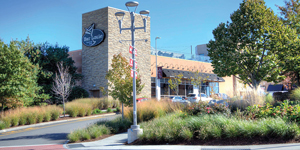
219, 142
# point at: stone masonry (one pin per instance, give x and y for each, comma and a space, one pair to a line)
96, 61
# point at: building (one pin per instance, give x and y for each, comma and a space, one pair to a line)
98, 48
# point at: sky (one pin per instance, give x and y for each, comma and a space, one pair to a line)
181, 24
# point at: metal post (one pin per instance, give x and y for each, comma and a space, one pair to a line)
134, 80
156, 86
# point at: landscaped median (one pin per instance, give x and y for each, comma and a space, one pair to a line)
200, 124
38, 114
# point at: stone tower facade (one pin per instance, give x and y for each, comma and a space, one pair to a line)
96, 61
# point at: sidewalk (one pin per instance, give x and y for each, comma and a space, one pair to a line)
117, 142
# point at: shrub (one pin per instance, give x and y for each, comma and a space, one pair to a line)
118, 109
2, 125
296, 94
97, 111
7, 122
204, 108
109, 110
55, 111
47, 116
269, 99
78, 92
15, 120
23, 119
91, 132
117, 125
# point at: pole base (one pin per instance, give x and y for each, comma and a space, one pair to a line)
133, 133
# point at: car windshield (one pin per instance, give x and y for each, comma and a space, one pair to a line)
171, 97
203, 95
191, 95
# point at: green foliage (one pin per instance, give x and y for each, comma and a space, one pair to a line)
117, 125
286, 110
174, 82
269, 99
109, 110
46, 56
97, 111
17, 78
120, 81
252, 46
92, 132
173, 127
78, 92
291, 16
296, 94
204, 108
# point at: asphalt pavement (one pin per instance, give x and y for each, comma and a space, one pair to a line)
47, 133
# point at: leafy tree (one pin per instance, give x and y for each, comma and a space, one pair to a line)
291, 17
252, 45
197, 79
174, 82
17, 78
120, 82
78, 92
46, 56
62, 84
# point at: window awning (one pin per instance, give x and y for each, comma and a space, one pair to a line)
188, 75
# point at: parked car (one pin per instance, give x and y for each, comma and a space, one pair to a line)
139, 100
175, 98
192, 97
184, 98
222, 95
223, 102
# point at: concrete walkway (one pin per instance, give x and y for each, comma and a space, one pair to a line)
117, 142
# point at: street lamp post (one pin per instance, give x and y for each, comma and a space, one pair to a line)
156, 79
135, 129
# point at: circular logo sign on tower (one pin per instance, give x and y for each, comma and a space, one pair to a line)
92, 37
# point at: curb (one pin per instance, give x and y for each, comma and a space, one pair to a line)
51, 122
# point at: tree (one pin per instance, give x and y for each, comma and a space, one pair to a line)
174, 82
17, 77
291, 17
252, 45
197, 79
62, 85
46, 57
120, 82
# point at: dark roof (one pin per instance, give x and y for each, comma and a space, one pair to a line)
188, 74
278, 87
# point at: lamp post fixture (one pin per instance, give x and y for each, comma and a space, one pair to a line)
156, 79
135, 129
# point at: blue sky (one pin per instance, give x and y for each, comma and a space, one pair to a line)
179, 23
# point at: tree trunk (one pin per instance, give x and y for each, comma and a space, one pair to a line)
64, 107
298, 79
200, 92
122, 111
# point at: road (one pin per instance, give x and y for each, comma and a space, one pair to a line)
47, 134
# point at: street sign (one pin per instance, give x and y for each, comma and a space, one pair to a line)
130, 50
131, 63
131, 74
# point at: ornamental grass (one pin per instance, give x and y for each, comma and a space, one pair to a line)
179, 126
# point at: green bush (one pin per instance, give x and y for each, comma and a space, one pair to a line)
15, 120
47, 116
269, 99
2, 125
55, 114
117, 109
78, 92
296, 94
32, 118
97, 111
117, 125
109, 110
40, 117
7, 122
23, 119
91, 132
204, 108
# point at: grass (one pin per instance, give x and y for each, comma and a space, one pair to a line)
29, 115
99, 129
174, 127
100, 103
151, 109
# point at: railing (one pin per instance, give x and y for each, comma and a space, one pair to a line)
186, 56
